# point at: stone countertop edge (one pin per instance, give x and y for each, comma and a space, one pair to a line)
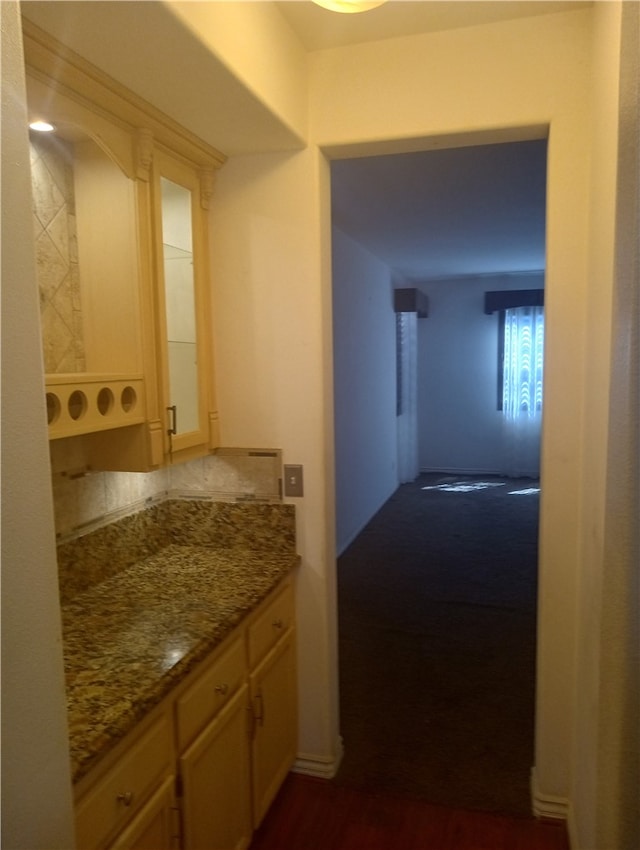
130, 640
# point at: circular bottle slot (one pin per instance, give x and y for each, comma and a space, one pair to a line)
128, 399
105, 401
77, 404
53, 408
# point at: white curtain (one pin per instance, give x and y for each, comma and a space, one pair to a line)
407, 419
522, 389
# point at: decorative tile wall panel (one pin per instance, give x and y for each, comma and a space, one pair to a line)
57, 254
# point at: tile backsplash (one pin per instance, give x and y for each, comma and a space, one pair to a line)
85, 499
57, 254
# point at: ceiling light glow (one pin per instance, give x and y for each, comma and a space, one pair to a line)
42, 126
349, 6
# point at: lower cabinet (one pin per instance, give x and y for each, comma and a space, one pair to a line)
274, 742
216, 806
157, 826
243, 710
201, 771
130, 791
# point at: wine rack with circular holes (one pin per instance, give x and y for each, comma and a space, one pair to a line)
84, 403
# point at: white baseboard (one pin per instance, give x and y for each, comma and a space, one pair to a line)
547, 805
322, 767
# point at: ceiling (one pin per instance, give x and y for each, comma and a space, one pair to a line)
318, 28
447, 213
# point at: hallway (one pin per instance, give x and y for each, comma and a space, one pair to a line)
437, 608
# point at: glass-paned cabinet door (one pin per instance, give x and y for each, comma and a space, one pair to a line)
185, 306
179, 294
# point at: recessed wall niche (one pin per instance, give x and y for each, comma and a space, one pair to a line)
85, 219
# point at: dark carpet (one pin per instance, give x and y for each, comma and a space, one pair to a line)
437, 624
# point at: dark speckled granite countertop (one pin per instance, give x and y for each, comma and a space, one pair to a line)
133, 635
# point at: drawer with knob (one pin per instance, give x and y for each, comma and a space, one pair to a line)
276, 619
213, 688
110, 804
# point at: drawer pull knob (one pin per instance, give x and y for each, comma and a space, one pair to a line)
125, 797
222, 689
278, 624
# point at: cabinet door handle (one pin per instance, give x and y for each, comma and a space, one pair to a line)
222, 689
251, 720
259, 714
176, 827
125, 797
278, 624
174, 419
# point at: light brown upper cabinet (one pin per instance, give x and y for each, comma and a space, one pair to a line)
181, 256
120, 197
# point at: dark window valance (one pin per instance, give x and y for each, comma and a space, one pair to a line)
411, 301
506, 299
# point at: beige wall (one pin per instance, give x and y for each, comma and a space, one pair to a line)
605, 810
604, 93
512, 74
36, 781
268, 261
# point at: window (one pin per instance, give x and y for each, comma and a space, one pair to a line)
522, 331
522, 362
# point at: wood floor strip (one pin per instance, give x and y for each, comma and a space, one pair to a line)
315, 814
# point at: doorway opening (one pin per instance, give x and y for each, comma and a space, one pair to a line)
454, 224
